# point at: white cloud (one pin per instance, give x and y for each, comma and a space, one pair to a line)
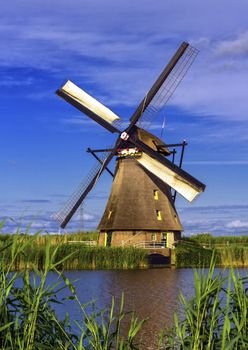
237, 224
217, 162
234, 47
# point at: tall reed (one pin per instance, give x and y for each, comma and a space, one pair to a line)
28, 320
216, 317
188, 254
211, 241
233, 256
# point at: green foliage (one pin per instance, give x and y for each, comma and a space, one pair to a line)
27, 318
192, 255
189, 253
216, 317
208, 239
232, 256
85, 257
80, 257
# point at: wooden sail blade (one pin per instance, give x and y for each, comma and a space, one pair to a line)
74, 202
165, 85
89, 105
175, 177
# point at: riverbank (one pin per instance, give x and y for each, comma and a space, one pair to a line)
83, 253
190, 255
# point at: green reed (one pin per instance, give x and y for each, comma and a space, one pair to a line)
81, 257
216, 317
86, 257
233, 256
27, 318
193, 254
212, 241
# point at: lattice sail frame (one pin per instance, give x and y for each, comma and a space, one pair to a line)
63, 213
169, 86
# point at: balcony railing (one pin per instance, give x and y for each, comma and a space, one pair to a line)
150, 245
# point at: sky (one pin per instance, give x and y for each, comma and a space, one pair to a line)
115, 50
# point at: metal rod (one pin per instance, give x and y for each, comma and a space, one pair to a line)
99, 160
173, 155
180, 164
183, 144
99, 150
182, 153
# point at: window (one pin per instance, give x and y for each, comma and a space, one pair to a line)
155, 194
109, 214
159, 217
154, 237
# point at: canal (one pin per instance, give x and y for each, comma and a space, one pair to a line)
153, 294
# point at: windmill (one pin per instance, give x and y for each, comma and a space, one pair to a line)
141, 206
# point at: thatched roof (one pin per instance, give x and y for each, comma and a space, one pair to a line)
131, 204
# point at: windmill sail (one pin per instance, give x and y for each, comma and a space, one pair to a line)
89, 105
165, 85
175, 177
74, 202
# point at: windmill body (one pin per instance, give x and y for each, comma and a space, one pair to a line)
141, 206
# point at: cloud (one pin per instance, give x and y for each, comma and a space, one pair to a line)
234, 47
217, 220
84, 121
217, 162
44, 221
237, 224
38, 201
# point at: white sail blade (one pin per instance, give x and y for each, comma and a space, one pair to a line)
87, 103
174, 180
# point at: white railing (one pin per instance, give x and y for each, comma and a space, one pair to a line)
89, 243
149, 245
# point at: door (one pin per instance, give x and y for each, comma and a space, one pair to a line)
109, 239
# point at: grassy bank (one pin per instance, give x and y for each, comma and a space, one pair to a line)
192, 254
54, 239
80, 256
210, 241
194, 251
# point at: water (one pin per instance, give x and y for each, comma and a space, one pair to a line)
152, 294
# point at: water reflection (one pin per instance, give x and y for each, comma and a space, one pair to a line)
152, 294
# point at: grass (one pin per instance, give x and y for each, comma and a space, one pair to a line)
191, 252
216, 316
192, 255
233, 256
210, 241
27, 318
55, 238
81, 256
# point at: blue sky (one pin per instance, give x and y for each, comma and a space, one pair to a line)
115, 50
